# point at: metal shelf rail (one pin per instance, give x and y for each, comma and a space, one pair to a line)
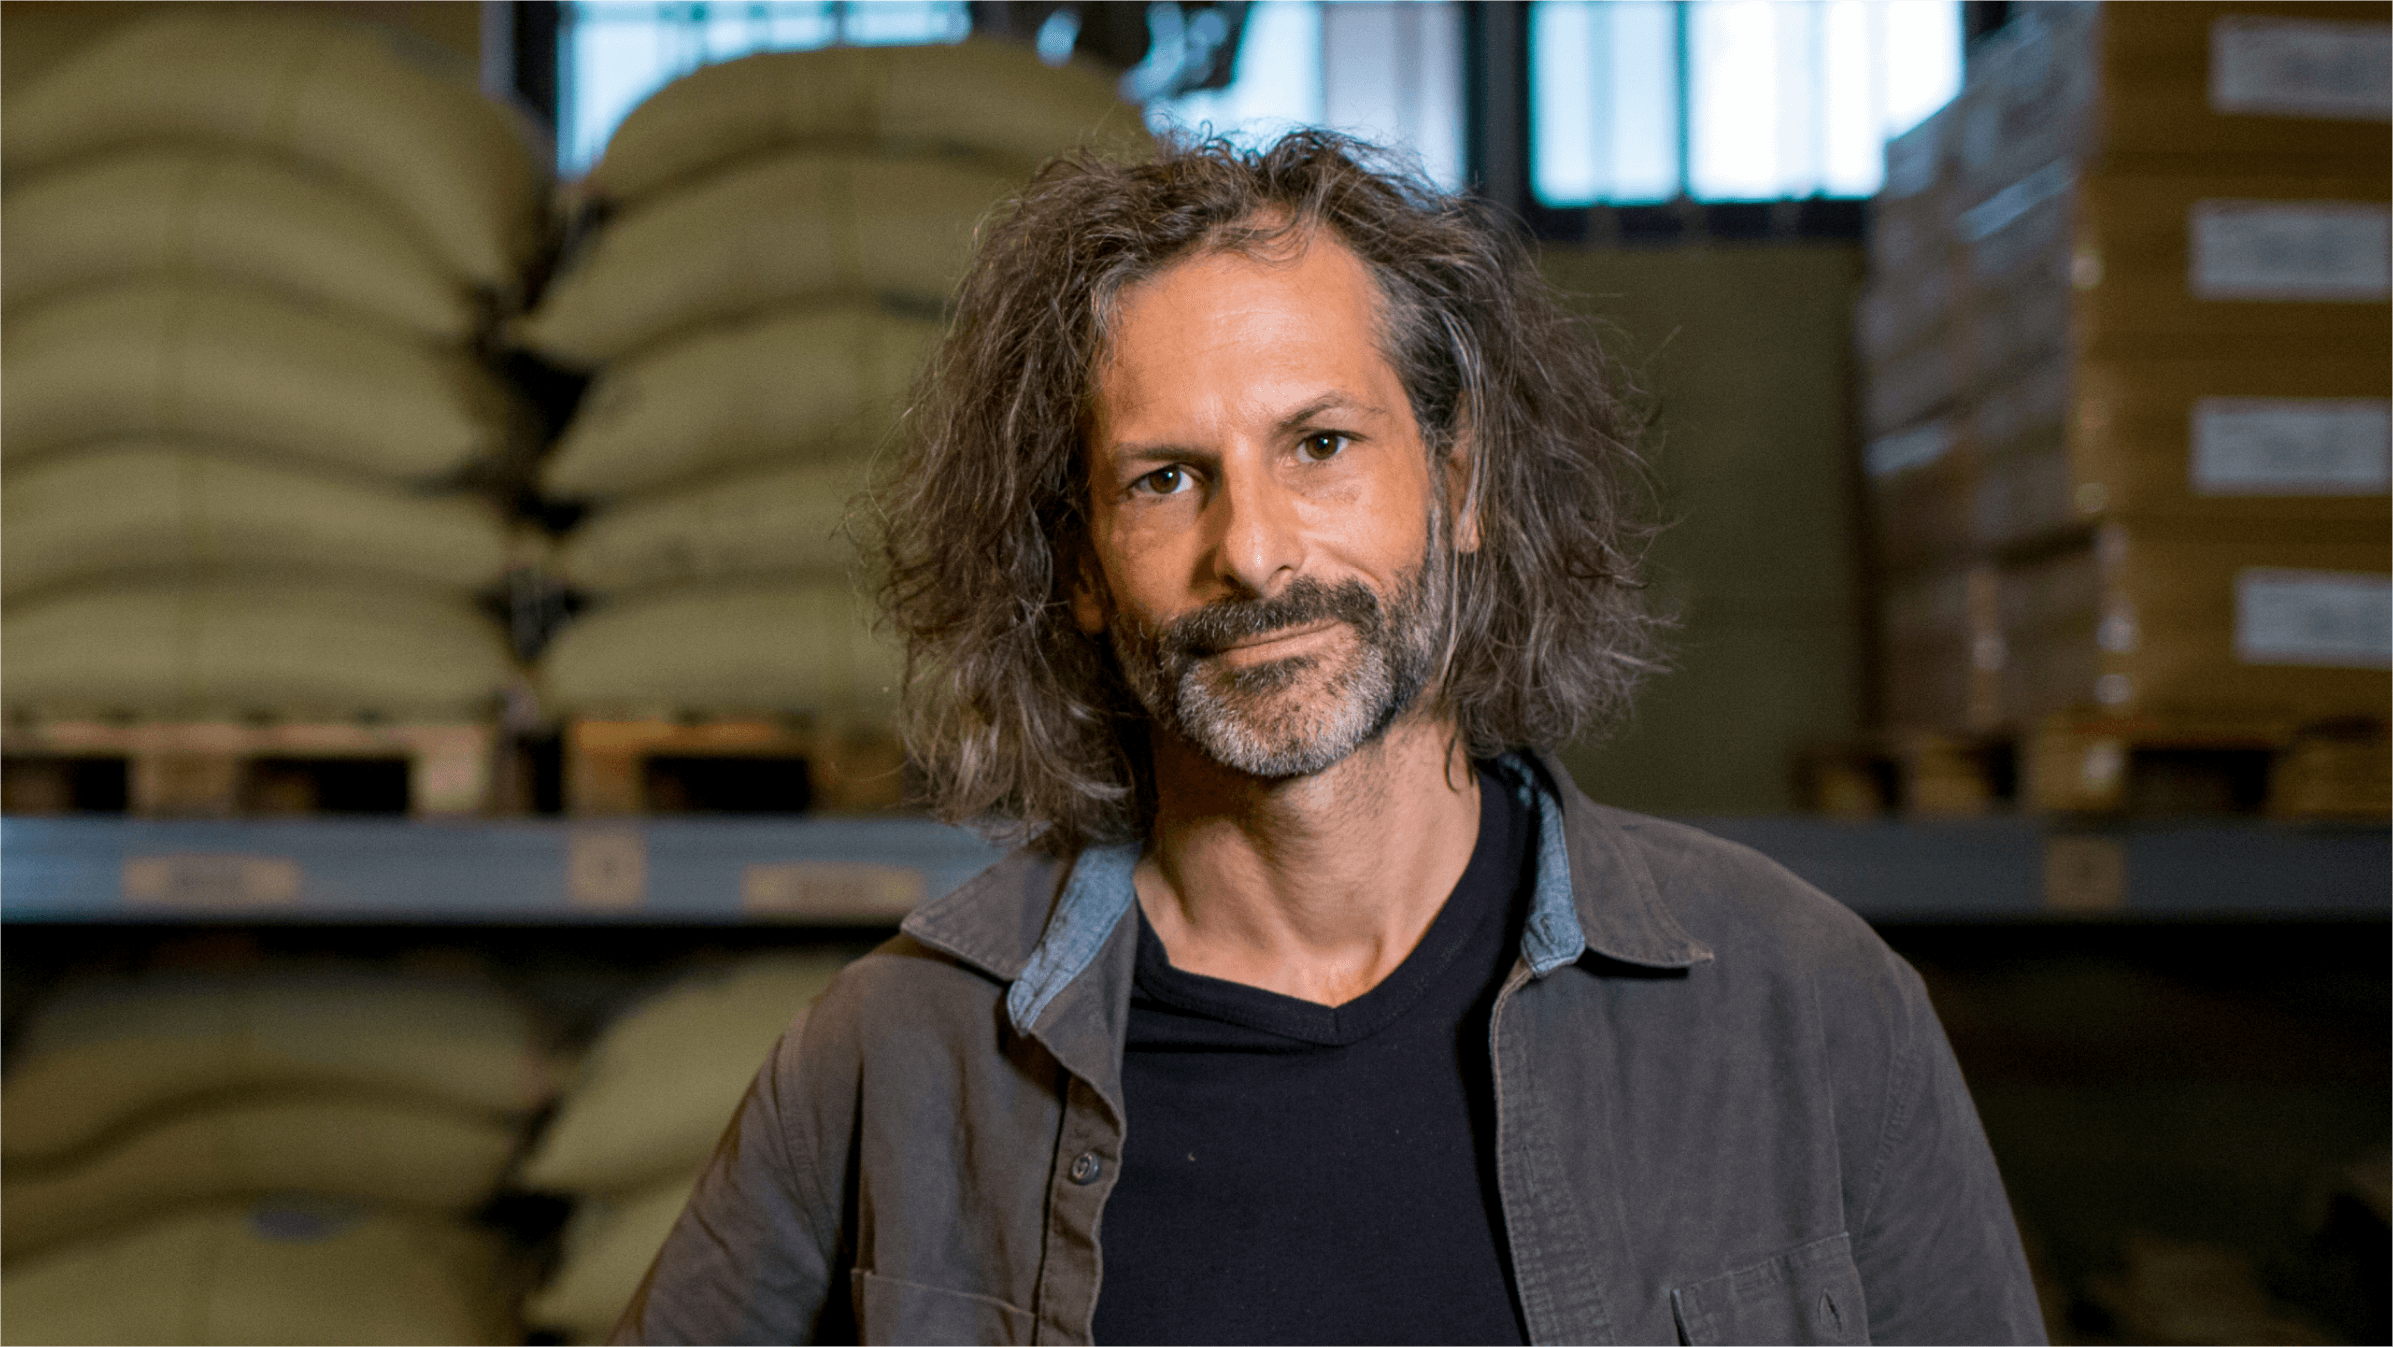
869, 872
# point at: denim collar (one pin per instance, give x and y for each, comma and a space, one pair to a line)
1608, 891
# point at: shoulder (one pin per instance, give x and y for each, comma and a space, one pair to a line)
1728, 894
949, 964
1762, 923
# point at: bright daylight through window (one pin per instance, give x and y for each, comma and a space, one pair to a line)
1630, 100
1729, 100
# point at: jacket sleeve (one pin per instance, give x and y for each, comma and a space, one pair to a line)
759, 1253
1938, 1251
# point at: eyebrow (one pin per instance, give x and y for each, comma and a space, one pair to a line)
1327, 402
1159, 451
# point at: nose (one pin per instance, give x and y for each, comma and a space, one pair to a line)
1261, 543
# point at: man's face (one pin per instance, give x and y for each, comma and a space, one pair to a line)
1264, 559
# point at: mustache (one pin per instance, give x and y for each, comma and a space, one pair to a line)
1217, 626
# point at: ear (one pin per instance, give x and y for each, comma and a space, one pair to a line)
1092, 600
1462, 495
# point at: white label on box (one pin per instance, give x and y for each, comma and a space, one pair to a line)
2292, 446
2289, 250
1908, 449
2301, 68
2329, 619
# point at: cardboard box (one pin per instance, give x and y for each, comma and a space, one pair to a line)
1901, 311
1944, 653
2292, 86
2213, 266
2258, 621
2247, 86
2301, 441
1924, 483
1920, 383
2020, 417
2030, 98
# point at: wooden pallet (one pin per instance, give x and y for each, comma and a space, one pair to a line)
2094, 763
1917, 774
2087, 762
623, 767
229, 768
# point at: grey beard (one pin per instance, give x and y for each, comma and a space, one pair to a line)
1238, 717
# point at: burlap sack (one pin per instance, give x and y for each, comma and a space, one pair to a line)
229, 214
994, 98
803, 226
799, 647
242, 645
780, 522
168, 508
350, 99
103, 1051
609, 1244
282, 1270
396, 1151
224, 362
811, 383
655, 1092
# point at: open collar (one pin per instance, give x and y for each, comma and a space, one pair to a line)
1039, 925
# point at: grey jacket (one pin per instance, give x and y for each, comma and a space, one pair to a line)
1725, 1113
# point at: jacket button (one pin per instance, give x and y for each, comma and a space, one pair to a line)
1086, 1166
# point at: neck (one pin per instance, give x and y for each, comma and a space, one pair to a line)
1315, 887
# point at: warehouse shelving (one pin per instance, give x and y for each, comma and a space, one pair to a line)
865, 872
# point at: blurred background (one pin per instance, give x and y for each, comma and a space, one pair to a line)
444, 745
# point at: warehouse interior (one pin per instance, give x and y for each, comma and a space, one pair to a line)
446, 743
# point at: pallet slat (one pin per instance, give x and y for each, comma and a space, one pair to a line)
2090, 762
208, 768
847, 770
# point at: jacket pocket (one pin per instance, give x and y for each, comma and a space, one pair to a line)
889, 1310
1811, 1293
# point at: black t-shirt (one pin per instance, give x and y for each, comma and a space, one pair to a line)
1304, 1173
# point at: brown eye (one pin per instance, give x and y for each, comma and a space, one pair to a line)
1321, 447
1169, 481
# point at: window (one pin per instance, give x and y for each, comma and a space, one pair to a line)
1639, 101
614, 53
1390, 73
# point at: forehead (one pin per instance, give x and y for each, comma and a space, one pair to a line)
1222, 326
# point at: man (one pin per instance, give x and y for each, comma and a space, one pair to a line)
1263, 519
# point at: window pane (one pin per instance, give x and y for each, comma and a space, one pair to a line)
1392, 74
614, 53
1603, 101
1735, 75
1855, 115
1923, 61
1785, 98
1276, 84
903, 23
1389, 73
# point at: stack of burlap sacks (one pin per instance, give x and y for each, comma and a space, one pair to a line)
645, 1110
770, 242
248, 259
2125, 351
283, 1154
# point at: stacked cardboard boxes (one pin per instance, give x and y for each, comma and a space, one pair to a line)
2127, 356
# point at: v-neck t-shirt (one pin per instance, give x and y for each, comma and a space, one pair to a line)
1302, 1173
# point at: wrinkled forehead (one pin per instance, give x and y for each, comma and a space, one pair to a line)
1229, 337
